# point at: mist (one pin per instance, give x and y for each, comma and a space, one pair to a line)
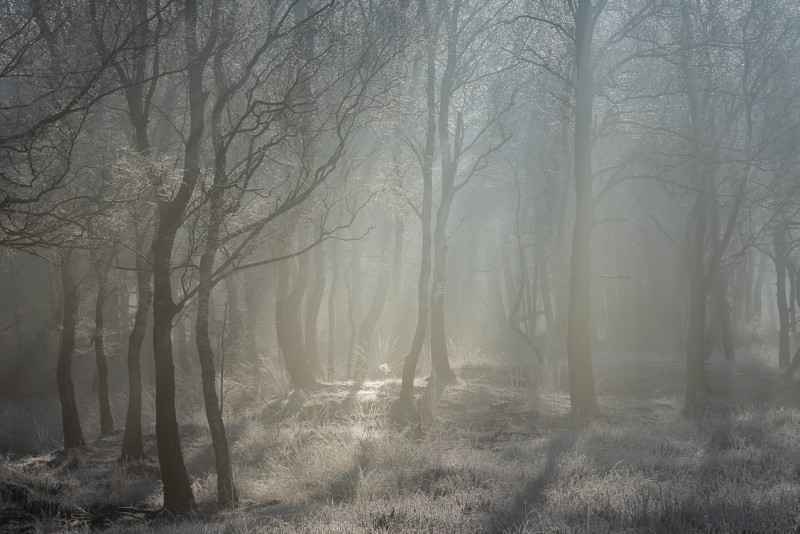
442, 266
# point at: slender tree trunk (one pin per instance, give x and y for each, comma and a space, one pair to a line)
373, 315
406, 399
783, 307
73, 436
439, 356
759, 288
579, 339
792, 291
354, 310
397, 277
313, 305
227, 495
724, 310
546, 292
332, 309
101, 274
695, 344
132, 447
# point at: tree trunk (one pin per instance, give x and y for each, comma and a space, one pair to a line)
132, 448
783, 307
758, 289
406, 398
695, 344
178, 495
313, 305
253, 298
724, 310
227, 495
398, 317
332, 310
373, 315
288, 327
100, 268
354, 308
579, 340
73, 436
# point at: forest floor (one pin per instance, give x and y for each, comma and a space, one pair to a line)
501, 454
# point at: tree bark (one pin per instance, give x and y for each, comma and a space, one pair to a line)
583, 397
73, 435
100, 267
132, 446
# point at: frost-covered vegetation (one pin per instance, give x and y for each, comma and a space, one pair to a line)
500, 454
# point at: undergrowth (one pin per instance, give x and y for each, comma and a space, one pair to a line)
501, 455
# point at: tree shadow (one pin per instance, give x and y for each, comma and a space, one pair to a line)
515, 513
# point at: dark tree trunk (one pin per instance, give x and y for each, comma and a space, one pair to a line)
178, 495
101, 267
132, 448
227, 495
73, 436
783, 307
579, 339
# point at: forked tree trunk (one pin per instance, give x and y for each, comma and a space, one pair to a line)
73, 436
